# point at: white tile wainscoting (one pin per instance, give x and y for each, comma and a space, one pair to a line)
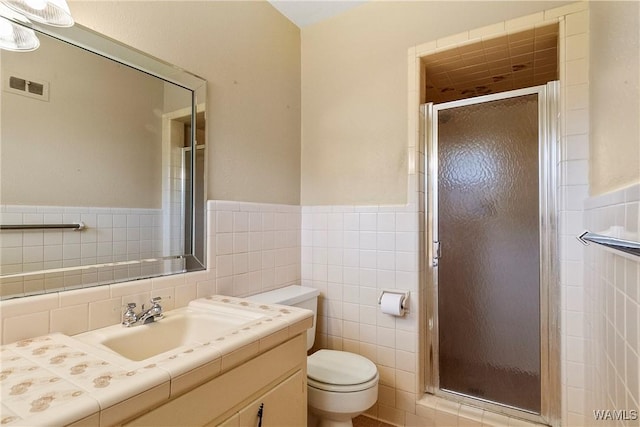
248, 232
111, 235
612, 309
253, 247
352, 253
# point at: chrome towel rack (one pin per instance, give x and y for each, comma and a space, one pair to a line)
77, 226
627, 246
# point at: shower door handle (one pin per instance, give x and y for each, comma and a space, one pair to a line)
436, 253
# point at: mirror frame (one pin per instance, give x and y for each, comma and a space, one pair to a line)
97, 43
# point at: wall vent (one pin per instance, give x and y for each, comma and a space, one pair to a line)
37, 89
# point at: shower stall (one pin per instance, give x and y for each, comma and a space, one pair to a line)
491, 250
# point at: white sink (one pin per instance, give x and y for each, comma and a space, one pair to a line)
179, 327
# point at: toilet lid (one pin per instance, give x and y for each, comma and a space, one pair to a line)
340, 368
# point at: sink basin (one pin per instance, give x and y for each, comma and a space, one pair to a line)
179, 327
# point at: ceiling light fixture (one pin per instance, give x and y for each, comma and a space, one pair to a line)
17, 38
15, 17
50, 12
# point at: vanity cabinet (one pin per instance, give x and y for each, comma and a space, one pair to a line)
279, 407
276, 379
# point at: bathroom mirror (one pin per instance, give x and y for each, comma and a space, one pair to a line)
102, 171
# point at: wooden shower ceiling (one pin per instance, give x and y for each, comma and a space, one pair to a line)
518, 60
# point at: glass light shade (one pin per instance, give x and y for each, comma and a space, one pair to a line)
16, 37
50, 12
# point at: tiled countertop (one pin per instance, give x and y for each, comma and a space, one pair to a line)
58, 380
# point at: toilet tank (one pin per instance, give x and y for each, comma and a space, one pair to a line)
296, 296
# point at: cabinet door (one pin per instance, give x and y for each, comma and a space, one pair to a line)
208, 403
283, 406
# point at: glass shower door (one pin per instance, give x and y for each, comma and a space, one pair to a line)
488, 269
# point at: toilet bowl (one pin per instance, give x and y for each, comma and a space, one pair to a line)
340, 385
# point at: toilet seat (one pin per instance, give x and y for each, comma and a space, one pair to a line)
340, 371
342, 388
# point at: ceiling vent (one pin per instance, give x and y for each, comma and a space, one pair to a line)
37, 89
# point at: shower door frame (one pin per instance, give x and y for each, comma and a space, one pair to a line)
548, 155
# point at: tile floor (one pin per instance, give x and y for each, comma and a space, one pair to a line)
364, 421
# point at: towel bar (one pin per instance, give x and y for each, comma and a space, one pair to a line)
77, 226
627, 246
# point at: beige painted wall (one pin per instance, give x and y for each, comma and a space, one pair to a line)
250, 56
354, 93
99, 132
614, 68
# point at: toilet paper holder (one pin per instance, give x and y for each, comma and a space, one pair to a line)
404, 302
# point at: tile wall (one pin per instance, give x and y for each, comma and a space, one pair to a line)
573, 190
612, 311
76, 311
352, 253
253, 247
111, 235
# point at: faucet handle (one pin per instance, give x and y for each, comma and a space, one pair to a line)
129, 317
156, 308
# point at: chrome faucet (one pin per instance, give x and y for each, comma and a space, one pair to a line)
152, 314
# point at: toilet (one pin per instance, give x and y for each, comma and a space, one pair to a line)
340, 385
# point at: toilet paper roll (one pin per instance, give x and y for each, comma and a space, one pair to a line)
392, 304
